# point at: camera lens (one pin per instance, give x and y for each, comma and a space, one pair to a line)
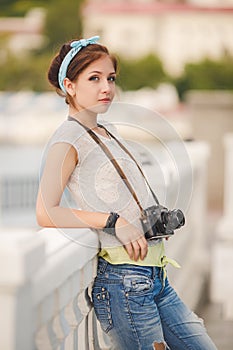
175, 219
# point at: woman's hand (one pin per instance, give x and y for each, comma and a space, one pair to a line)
132, 239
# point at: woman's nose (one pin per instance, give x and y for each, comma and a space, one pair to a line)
105, 85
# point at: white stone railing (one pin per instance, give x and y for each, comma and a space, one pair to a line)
221, 290
45, 277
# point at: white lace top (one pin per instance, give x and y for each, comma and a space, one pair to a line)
95, 184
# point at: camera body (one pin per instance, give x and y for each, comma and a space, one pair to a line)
159, 222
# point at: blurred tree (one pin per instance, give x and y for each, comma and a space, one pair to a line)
146, 71
206, 75
19, 7
6, 6
63, 22
27, 73
7, 2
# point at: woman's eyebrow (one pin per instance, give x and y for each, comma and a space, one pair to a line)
99, 72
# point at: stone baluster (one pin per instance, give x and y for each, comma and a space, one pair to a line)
227, 222
74, 318
21, 255
221, 290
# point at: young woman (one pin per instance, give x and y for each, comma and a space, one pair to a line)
132, 297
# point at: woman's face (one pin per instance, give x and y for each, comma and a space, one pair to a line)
94, 89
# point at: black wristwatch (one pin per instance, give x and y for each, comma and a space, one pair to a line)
111, 222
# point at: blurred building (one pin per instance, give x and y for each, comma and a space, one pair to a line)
178, 31
23, 33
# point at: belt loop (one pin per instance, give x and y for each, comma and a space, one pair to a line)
102, 266
153, 272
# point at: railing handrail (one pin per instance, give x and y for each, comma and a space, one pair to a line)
77, 246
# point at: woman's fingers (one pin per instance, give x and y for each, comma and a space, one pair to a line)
137, 248
144, 247
132, 239
128, 247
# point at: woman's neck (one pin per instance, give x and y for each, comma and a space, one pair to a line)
87, 118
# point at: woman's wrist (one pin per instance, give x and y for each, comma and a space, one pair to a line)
111, 223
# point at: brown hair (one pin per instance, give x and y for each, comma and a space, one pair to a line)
81, 61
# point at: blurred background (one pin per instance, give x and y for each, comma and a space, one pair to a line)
176, 58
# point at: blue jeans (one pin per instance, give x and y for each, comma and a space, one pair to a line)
136, 306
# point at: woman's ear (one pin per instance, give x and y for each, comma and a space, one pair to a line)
70, 87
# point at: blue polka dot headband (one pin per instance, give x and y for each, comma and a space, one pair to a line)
76, 47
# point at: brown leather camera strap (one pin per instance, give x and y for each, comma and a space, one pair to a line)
115, 163
132, 157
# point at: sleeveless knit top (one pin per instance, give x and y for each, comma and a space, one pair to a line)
96, 186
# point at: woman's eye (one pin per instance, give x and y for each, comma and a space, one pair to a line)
112, 78
94, 78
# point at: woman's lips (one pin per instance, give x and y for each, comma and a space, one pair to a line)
105, 100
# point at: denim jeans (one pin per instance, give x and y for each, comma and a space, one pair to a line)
136, 306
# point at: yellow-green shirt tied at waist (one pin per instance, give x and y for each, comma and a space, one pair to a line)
155, 256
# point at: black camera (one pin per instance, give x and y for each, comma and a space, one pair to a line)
159, 222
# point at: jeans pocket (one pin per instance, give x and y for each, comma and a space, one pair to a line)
101, 301
138, 289
137, 284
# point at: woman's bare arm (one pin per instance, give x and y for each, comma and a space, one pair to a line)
61, 161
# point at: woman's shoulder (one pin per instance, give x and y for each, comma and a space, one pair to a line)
68, 131
70, 127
